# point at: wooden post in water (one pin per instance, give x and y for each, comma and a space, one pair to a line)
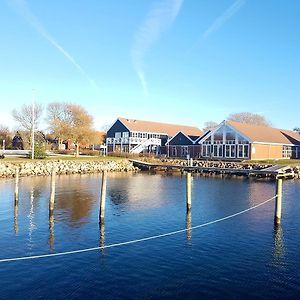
278, 204
16, 215
103, 196
51, 231
52, 194
188, 191
189, 224
17, 186
102, 236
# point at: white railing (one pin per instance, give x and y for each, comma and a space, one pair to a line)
126, 140
111, 141
148, 142
15, 152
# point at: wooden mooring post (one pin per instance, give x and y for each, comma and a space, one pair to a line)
16, 215
278, 203
188, 191
17, 185
103, 196
52, 194
51, 231
188, 224
102, 236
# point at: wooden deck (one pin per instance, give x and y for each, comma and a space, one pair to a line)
274, 171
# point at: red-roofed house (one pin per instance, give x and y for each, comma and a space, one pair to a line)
234, 140
136, 136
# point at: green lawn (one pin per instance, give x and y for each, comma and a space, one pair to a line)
276, 162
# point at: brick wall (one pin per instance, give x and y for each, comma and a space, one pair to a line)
266, 151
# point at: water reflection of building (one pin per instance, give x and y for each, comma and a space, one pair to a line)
260, 190
137, 191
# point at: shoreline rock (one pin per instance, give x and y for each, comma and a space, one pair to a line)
44, 168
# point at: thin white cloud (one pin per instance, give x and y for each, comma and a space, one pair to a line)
158, 20
224, 17
22, 8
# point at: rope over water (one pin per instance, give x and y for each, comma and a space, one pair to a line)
137, 240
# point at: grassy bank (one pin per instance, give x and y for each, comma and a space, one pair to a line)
289, 162
52, 158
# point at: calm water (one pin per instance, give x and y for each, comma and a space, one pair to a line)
243, 257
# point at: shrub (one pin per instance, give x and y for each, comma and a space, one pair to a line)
89, 152
64, 152
39, 151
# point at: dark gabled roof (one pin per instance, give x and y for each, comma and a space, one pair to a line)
191, 138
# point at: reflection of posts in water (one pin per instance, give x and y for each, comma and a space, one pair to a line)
17, 185
188, 191
16, 214
52, 194
189, 224
51, 231
102, 236
103, 196
278, 203
278, 242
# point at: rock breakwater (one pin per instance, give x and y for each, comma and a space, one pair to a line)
43, 168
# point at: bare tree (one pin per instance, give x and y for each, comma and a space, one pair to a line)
209, 125
5, 135
249, 118
106, 127
24, 115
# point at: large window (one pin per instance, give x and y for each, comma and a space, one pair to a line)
174, 151
230, 151
118, 135
184, 150
218, 150
206, 150
226, 142
243, 151
286, 151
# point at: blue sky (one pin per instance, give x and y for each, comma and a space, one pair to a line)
177, 61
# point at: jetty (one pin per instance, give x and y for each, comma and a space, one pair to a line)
275, 171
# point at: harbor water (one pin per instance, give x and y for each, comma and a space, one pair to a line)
240, 257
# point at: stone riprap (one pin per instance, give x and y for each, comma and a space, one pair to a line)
221, 164
42, 168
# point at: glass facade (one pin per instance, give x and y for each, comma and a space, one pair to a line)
225, 142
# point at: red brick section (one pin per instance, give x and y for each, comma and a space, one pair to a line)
266, 151
157, 127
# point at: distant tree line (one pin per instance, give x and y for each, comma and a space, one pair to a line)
241, 117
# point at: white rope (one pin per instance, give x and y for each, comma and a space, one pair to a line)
137, 240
